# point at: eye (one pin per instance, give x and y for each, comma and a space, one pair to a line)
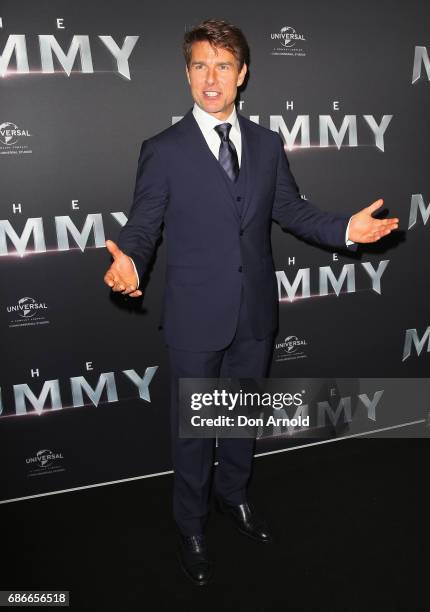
224, 66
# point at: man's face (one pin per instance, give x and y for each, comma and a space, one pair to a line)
214, 76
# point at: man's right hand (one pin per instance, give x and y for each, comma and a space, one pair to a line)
121, 275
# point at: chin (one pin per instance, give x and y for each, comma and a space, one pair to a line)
211, 107
214, 110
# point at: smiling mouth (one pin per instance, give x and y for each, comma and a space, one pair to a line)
211, 94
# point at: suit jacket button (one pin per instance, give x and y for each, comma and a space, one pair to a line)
241, 233
239, 269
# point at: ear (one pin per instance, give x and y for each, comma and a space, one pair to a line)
241, 75
188, 74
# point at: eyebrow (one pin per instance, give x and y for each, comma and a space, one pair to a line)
217, 63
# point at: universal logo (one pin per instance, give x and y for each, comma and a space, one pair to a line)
30, 312
288, 42
45, 462
13, 139
290, 348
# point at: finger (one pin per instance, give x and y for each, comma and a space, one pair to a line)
113, 249
118, 286
129, 290
386, 224
109, 279
377, 235
377, 204
136, 293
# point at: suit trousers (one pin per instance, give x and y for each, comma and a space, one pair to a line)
193, 459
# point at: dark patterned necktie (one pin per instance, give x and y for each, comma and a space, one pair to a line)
227, 155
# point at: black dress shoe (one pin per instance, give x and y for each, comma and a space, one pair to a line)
193, 558
245, 520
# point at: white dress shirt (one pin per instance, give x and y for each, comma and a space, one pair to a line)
206, 123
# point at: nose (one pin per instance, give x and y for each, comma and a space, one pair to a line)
210, 76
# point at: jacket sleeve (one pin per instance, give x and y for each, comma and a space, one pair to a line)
300, 216
139, 235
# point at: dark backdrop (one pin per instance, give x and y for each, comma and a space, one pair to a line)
68, 155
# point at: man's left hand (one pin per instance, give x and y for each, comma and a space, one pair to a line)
364, 228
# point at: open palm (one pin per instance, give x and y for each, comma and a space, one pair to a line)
365, 228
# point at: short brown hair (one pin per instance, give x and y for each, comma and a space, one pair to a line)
218, 33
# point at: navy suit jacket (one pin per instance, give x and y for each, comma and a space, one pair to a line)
211, 250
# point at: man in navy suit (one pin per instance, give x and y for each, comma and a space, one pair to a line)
217, 181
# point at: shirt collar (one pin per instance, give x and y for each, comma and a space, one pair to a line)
207, 122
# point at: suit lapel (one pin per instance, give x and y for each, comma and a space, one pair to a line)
251, 148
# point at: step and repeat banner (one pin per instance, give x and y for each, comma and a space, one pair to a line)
84, 386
